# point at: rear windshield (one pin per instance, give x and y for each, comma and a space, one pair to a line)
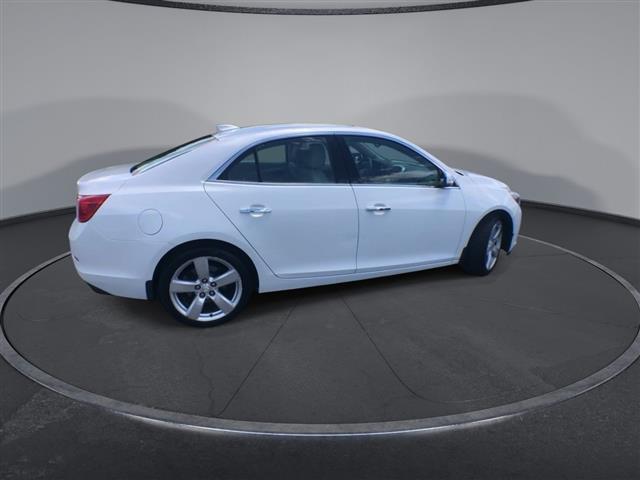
169, 154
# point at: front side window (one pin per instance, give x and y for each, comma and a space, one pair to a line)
381, 161
294, 160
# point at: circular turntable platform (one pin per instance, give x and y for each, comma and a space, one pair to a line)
379, 355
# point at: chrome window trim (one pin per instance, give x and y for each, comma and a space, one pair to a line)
366, 185
402, 185
276, 184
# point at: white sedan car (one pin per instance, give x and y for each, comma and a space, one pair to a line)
258, 209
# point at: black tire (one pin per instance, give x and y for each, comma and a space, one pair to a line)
474, 257
178, 260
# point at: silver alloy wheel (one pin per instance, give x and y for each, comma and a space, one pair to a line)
493, 246
205, 288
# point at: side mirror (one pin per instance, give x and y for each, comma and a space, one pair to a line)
447, 180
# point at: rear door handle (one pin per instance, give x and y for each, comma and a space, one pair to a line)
255, 210
378, 207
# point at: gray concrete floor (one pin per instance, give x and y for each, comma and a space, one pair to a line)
591, 436
410, 346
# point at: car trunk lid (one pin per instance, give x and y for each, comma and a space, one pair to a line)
105, 180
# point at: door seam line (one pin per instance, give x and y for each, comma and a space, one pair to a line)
355, 198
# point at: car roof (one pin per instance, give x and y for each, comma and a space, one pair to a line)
229, 141
263, 132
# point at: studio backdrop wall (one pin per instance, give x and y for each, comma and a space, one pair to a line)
543, 95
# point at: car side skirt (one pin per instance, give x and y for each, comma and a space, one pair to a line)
274, 284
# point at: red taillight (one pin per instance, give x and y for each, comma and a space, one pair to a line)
88, 205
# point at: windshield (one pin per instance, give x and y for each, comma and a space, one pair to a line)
169, 154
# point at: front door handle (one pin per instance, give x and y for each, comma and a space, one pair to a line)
255, 210
378, 208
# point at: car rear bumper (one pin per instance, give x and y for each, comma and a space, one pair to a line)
116, 267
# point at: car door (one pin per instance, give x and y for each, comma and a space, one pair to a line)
407, 218
290, 199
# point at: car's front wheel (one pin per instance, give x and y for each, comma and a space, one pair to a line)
483, 249
205, 286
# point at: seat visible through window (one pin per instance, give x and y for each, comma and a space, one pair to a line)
294, 160
310, 164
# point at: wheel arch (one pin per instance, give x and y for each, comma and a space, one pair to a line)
151, 285
507, 222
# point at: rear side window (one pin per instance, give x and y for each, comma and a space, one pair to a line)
294, 160
243, 169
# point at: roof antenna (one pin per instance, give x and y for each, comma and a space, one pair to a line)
225, 128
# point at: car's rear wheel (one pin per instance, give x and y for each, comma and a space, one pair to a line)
205, 286
483, 249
